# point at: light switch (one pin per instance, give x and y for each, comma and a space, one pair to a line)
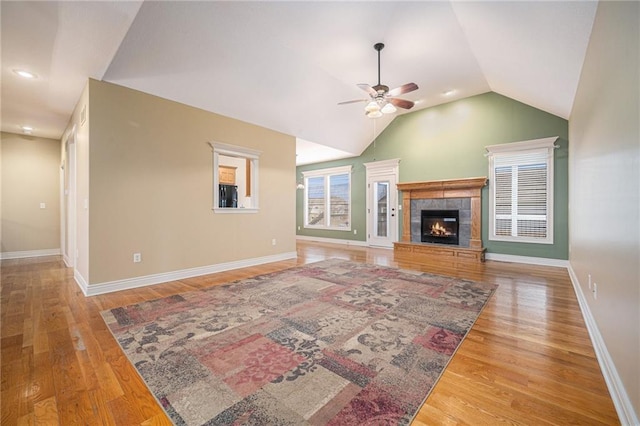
43, 206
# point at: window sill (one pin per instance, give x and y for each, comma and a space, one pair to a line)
521, 240
234, 210
327, 228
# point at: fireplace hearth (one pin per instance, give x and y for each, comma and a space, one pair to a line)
440, 226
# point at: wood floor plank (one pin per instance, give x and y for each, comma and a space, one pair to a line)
46, 412
77, 410
42, 386
100, 407
527, 360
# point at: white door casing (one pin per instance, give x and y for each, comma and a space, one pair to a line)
382, 202
68, 242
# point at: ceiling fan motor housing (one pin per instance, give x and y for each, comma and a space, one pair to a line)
381, 88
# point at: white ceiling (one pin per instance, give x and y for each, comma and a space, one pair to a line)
286, 65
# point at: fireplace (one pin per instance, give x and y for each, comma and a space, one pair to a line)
464, 195
440, 226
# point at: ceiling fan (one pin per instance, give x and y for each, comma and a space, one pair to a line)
381, 99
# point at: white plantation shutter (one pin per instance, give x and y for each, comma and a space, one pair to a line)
521, 187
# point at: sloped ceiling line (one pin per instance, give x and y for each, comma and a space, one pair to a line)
286, 65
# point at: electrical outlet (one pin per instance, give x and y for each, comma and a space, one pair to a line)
273, 242
298, 228
137, 257
355, 232
595, 291
43, 206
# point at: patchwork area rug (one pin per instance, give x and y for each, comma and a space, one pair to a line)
334, 342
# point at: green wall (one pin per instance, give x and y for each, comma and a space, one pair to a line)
447, 142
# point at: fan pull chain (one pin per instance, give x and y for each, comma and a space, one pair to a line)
374, 137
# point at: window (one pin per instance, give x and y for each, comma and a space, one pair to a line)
235, 179
521, 191
327, 198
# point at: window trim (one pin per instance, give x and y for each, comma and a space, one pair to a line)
518, 148
219, 148
326, 173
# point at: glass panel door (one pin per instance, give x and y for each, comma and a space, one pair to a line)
382, 218
381, 209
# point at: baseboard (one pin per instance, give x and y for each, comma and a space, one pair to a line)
129, 283
332, 240
542, 261
82, 283
29, 253
616, 388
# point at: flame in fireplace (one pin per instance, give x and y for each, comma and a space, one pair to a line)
439, 230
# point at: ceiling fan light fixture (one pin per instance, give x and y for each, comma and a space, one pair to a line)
388, 108
374, 114
372, 107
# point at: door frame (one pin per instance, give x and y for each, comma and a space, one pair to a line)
375, 171
68, 200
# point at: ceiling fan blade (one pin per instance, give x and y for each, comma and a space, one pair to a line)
401, 103
368, 89
354, 101
405, 88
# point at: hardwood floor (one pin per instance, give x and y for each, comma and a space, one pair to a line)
527, 360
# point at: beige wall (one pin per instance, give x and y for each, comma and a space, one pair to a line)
150, 182
605, 185
30, 176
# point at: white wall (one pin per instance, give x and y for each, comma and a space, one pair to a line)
604, 190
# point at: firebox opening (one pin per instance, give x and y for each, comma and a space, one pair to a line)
440, 226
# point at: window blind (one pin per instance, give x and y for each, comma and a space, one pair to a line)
521, 194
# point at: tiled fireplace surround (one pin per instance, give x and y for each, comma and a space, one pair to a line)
458, 194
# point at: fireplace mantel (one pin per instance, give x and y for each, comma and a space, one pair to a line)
454, 188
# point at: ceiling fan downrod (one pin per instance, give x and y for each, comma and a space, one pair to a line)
379, 88
378, 47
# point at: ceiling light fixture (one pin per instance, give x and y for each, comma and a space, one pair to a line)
26, 129
25, 74
382, 100
374, 114
388, 108
372, 106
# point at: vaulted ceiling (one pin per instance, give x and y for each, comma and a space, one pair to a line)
287, 65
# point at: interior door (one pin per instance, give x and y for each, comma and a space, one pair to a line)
382, 207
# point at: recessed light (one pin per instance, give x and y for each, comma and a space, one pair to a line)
26, 129
448, 92
25, 74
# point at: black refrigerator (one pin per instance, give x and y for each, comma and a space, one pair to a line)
228, 196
